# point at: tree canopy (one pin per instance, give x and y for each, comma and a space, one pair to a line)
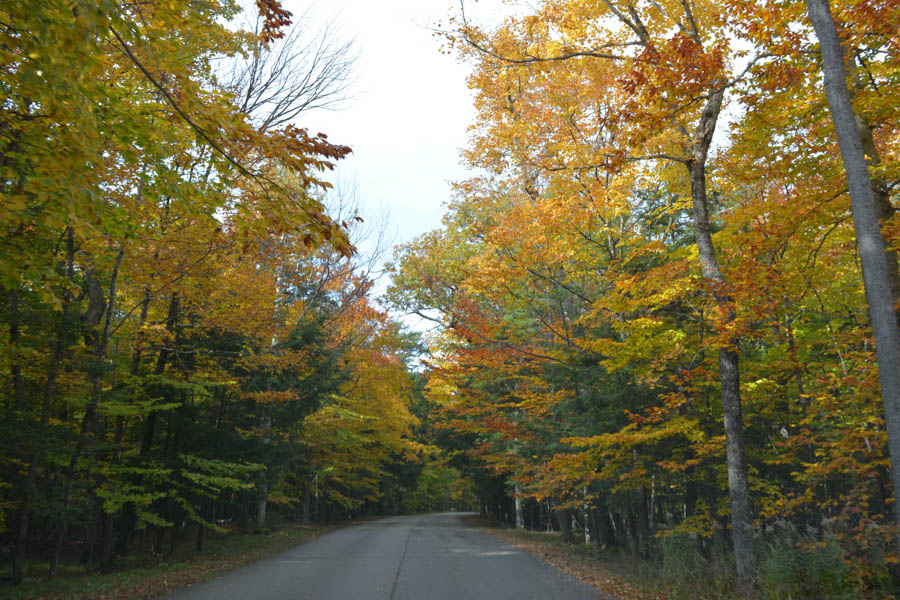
662, 310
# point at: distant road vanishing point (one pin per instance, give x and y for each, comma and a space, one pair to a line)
430, 557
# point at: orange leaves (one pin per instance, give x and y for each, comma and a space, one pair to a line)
275, 18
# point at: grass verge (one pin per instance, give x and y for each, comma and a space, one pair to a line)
617, 577
143, 576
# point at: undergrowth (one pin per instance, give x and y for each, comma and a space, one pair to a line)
788, 567
143, 575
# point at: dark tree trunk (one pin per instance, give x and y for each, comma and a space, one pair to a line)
643, 522
606, 531
107, 558
159, 539
307, 498
565, 524
690, 492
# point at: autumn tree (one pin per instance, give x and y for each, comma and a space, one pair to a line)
174, 235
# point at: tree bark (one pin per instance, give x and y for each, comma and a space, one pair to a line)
148, 430
586, 515
520, 515
880, 187
729, 367
262, 490
875, 267
565, 525
307, 497
643, 522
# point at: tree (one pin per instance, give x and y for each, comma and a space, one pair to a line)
872, 252
675, 83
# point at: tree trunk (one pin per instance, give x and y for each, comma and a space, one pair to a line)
643, 522
31, 476
586, 512
880, 189
729, 369
129, 516
307, 499
565, 525
198, 546
619, 527
88, 557
107, 557
262, 490
161, 361
875, 267
520, 515
884, 208
603, 525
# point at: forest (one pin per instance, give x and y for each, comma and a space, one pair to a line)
661, 313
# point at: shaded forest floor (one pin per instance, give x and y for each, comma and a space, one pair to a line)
142, 575
620, 577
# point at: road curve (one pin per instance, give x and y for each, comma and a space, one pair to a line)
430, 557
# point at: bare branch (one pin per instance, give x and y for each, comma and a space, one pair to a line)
300, 72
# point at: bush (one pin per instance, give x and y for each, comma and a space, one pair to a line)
795, 567
685, 573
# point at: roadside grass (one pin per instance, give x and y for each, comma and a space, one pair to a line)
618, 576
142, 575
679, 572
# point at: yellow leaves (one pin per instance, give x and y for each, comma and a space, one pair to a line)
368, 423
270, 397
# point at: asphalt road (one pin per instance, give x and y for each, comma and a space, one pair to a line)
431, 557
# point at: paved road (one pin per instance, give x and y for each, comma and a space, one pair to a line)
431, 557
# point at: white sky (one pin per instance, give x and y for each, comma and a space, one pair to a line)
409, 115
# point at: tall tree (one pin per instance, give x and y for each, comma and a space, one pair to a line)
872, 252
673, 58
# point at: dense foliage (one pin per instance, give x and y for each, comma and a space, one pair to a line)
652, 322
651, 327
188, 339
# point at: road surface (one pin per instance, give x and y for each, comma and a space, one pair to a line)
430, 557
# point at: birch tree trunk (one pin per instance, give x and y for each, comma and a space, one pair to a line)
586, 511
520, 514
262, 489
